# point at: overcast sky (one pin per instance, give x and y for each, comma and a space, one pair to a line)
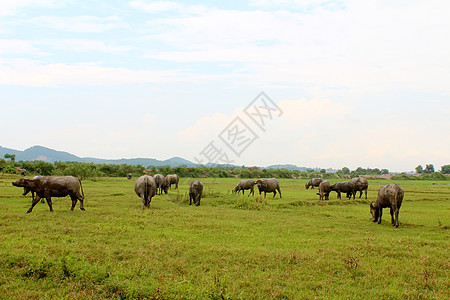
352, 83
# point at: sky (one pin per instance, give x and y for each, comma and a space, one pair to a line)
315, 83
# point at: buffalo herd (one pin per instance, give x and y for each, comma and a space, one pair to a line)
146, 187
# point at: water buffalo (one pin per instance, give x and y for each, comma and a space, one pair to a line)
313, 182
245, 185
267, 185
195, 192
344, 187
361, 184
390, 195
129, 175
53, 186
172, 179
145, 188
161, 186
324, 190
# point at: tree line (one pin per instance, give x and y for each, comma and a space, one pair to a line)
91, 170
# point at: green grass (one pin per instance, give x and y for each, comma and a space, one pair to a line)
231, 247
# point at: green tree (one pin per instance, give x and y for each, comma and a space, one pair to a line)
429, 169
384, 171
445, 169
419, 169
12, 157
44, 168
3, 164
345, 170
323, 171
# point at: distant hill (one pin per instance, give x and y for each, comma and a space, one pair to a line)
50, 155
289, 167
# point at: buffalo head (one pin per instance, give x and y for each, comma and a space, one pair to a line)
22, 182
374, 212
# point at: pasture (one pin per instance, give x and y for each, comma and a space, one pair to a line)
230, 247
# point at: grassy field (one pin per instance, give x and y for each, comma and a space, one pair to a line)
230, 247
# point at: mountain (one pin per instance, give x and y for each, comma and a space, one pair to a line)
289, 167
50, 155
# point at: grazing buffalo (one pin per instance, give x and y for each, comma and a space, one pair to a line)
267, 185
390, 195
313, 182
52, 186
361, 184
195, 192
161, 186
129, 175
145, 188
344, 187
324, 190
245, 185
172, 179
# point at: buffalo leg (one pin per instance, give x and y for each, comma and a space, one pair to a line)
274, 193
391, 210
396, 217
190, 199
380, 214
49, 202
74, 202
279, 191
35, 201
81, 203
365, 192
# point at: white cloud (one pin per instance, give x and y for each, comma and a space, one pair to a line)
83, 45
155, 6
321, 133
8, 8
117, 142
16, 47
365, 47
304, 5
79, 24
32, 73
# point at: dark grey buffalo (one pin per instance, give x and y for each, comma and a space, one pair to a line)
145, 188
172, 179
361, 184
53, 186
129, 175
268, 185
324, 190
161, 186
344, 187
313, 182
390, 195
243, 185
195, 192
